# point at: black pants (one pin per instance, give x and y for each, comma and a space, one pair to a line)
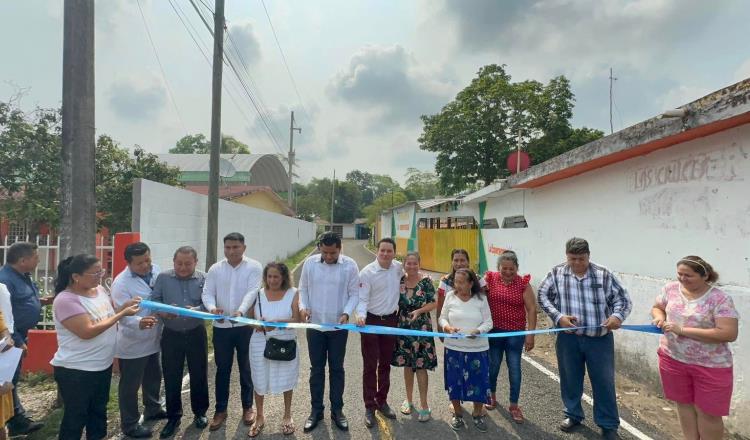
226, 342
330, 346
176, 347
142, 373
85, 395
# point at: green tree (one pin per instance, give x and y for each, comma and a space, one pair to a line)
371, 186
421, 185
474, 134
386, 201
198, 144
30, 170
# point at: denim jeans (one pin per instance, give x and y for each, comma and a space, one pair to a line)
512, 348
577, 355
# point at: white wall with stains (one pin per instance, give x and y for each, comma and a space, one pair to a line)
640, 216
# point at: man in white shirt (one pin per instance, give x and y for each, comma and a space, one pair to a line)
138, 338
328, 290
227, 283
378, 305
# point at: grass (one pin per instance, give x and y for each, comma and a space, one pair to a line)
297, 258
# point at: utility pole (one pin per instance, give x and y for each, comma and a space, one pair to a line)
78, 204
333, 191
212, 230
290, 159
612, 79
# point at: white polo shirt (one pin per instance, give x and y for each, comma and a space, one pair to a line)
379, 289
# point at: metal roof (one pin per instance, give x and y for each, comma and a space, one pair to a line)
264, 169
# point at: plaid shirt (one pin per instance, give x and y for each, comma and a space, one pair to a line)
591, 299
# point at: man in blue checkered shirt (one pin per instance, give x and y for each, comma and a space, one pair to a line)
579, 293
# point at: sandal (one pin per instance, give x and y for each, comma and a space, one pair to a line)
288, 428
516, 414
406, 407
424, 414
255, 430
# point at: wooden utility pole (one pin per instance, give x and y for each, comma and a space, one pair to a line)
78, 202
290, 159
212, 229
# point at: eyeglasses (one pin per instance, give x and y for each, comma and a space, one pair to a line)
97, 274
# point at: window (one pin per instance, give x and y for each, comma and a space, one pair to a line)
490, 223
515, 221
17, 231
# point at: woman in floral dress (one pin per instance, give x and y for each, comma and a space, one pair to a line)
414, 353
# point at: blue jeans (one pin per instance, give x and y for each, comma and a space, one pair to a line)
595, 355
511, 347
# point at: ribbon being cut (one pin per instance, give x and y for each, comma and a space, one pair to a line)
180, 311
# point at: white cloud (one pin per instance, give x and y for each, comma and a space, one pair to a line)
681, 95
137, 99
742, 72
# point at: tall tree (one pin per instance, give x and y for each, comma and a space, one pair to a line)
421, 185
371, 186
198, 144
474, 134
386, 201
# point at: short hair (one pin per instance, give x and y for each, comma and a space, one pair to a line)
20, 249
77, 264
186, 250
286, 279
135, 250
508, 256
329, 238
234, 236
476, 289
577, 246
388, 240
414, 254
700, 266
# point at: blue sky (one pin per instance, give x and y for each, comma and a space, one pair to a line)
366, 70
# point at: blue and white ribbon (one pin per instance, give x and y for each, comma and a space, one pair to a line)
375, 329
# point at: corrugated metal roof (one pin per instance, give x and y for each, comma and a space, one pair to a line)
424, 204
265, 169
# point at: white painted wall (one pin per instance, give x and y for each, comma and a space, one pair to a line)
639, 220
348, 231
169, 217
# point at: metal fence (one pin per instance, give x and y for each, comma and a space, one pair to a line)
44, 274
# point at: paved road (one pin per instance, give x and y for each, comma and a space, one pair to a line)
540, 400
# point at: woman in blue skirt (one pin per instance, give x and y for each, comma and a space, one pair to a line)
467, 362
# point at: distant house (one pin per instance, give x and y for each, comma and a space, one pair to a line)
261, 197
235, 169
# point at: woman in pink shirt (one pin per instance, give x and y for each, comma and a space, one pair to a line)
695, 361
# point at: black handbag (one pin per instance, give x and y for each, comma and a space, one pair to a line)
277, 349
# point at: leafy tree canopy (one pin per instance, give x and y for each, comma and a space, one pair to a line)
198, 144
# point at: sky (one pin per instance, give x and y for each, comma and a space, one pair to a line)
363, 71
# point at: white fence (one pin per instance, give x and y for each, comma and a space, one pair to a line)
45, 272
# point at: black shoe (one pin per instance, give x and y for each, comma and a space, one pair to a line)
312, 422
568, 424
200, 422
169, 429
369, 417
22, 425
339, 419
139, 431
161, 415
610, 434
387, 411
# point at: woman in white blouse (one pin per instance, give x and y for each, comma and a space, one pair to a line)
467, 361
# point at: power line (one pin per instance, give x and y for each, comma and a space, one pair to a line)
283, 58
161, 67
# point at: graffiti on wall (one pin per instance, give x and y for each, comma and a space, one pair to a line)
714, 166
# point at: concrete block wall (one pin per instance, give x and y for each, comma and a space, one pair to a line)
640, 216
169, 217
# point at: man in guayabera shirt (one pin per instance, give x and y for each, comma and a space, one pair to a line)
328, 290
579, 293
138, 344
183, 338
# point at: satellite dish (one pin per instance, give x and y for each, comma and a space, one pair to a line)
226, 169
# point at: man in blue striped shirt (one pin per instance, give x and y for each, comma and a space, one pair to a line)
579, 293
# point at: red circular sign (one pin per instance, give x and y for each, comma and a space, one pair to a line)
513, 160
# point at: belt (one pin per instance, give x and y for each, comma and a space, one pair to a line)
383, 317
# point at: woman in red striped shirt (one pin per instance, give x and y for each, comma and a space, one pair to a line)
513, 307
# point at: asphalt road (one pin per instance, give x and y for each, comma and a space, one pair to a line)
540, 401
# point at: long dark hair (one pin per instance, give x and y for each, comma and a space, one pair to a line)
286, 279
77, 264
476, 289
449, 279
